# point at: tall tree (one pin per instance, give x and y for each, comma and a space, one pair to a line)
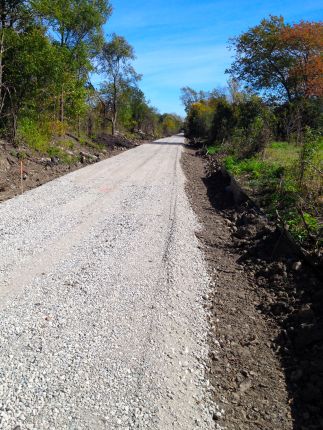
76, 26
304, 42
115, 60
262, 59
280, 59
12, 15
190, 96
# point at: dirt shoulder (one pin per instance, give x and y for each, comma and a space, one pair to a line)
264, 374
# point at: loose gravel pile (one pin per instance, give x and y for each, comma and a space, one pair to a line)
102, 324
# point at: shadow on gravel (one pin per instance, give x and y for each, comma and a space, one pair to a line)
294, 291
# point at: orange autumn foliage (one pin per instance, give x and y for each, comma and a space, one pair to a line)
304, 41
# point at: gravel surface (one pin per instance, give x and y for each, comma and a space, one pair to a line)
101, 300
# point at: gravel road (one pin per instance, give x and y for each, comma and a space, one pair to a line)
102, 323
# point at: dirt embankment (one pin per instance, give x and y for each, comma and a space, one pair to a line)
266, 337
22, 169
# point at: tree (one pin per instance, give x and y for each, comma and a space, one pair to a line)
73, 22
115, 60
304, 42
13, 14
190, 96
280, 59
170, 123
262, 59
199, 120
223, 122
76, 26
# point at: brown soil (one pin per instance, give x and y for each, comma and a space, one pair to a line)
266, 338
39, 169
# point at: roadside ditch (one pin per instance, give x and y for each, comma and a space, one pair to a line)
266, 307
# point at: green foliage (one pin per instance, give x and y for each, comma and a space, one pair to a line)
115, 62
302, 226
199, 120
48, 48
39, 137
282, 63
275, 180
230, 163
74, 23
54, 151
212, 150
223, 121
243, 128
252, 166
34, 136
310, 147
170, 124
279, 145
262, 59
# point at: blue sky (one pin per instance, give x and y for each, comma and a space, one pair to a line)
181, 43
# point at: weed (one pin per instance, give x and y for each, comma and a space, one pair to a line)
54, 151
35, 136
274, 178
211, 150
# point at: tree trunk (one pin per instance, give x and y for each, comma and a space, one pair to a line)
114, 123
114, 106
89, 126
1, 71
14, 126
61, 106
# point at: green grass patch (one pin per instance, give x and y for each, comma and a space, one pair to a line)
98, 146
38, 137
274, 178
252, 166
282, 153
54, 151
34, 135
211, 150
67, 143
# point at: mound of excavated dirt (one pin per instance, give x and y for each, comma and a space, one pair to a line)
118, 141
267, 326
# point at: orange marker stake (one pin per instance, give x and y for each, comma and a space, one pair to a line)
21, 177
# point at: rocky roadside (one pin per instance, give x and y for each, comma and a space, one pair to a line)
38, 169
266, 336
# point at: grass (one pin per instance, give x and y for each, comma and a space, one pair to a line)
39, 138
36, 137
282, 153
274, 176
211, 150
252, 166
54, 151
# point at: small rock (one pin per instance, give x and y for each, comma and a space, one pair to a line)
297, 266
245, 386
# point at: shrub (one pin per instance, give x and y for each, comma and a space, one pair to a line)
212, 150
33, 135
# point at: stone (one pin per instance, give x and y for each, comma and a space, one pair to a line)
297, 266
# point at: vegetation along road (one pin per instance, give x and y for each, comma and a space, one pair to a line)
102, 320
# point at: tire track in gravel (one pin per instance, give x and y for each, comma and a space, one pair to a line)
113, 334
164, 269
24, 270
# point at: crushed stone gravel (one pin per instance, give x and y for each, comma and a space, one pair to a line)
102, 323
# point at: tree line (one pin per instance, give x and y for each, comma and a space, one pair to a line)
275, 90
272, 104
49, 49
